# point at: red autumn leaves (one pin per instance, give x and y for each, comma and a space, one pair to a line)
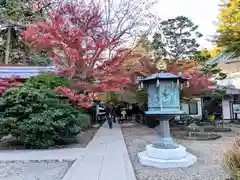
78, 43
6, 83
83, 49
78, 100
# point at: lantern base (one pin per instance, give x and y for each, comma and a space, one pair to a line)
166, 158
166, 113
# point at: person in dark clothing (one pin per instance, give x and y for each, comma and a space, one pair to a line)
114, 113
109, 113
137, 113
118, 113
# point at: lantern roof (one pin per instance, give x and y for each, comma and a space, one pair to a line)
164, 76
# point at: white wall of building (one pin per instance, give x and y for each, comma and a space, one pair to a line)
228, 113
226, 108
185, 108
233, 82
233, 79
199, 102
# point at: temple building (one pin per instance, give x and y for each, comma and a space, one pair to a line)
230, 105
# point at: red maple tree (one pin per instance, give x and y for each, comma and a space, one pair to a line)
6, 83
78, 100
83, 40
199, 82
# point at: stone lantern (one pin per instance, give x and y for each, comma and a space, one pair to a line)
164, 102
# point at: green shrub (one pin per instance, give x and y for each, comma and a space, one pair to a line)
38, 118
46, 81
185, 119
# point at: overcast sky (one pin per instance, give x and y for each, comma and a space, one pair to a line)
201, 12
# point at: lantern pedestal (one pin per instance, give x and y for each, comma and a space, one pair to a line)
164, 153
166, 158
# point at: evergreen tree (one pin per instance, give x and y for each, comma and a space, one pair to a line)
176, 38
15, 15
208, 68
145, 43
211, 70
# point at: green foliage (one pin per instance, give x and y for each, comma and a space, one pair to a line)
218, 93
40, 59
176, 38
12, 9
141, 96
211, 70
38, 118
202, 56
145, 43
229, 26
46, 81
112, 97
18, 14
19, 10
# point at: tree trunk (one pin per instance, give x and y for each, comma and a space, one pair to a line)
7, 50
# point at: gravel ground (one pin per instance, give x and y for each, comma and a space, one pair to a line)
208, 166
32, 170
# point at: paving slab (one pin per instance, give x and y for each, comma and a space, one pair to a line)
114, 168
108, 141
105, 158
53, 154
86, 168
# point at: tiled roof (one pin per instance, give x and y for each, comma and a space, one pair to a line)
227, 62
23, 71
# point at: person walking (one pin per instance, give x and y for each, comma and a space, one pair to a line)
114, 109
108, 111
212, 119
118, 114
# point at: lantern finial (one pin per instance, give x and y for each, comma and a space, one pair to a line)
161, 65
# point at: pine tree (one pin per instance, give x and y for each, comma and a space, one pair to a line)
176, 38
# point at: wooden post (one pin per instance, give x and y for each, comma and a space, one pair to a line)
7, 50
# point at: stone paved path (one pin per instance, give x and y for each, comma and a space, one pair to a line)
105, 157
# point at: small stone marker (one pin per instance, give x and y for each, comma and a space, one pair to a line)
192, 129
123, 113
